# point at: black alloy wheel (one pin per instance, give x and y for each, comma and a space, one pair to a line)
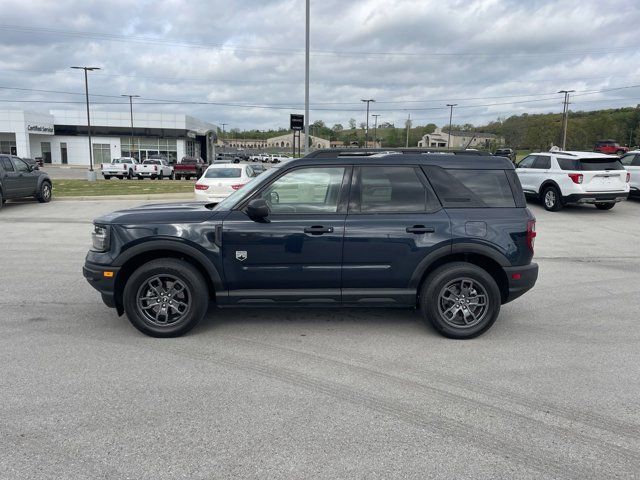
44, 193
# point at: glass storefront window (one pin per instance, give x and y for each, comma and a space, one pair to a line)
101, 153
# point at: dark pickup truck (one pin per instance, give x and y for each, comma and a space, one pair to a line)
189, 167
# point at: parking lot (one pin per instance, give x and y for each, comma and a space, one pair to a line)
551, 391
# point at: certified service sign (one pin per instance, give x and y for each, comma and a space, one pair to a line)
45, 129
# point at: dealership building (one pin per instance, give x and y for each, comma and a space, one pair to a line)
60, 136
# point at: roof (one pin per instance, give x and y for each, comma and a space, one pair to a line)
226, 165
576, 154
462, 160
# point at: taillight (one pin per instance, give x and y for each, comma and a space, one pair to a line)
576, 177
199, 186
628, 177
237, 187
531, 233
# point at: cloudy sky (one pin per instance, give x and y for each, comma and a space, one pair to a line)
242, 62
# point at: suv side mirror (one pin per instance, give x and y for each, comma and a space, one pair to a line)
258, 210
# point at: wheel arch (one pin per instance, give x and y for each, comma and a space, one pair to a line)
136, 256
548, 183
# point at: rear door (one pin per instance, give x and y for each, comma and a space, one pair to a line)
394, 222
295, 256
603, 175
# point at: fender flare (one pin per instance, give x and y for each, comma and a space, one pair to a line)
546, 183
177, 247
453, 249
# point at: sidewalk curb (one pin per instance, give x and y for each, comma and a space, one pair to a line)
149, 196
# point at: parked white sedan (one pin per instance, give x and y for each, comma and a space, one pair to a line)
221, 180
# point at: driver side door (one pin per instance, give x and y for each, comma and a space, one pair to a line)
293, 256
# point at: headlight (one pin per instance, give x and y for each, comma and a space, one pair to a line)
100, 238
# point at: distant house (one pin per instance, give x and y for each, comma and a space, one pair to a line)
459, 140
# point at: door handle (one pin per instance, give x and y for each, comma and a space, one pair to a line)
318, 230
420, 229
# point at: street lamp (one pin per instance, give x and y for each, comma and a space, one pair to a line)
366, 134
565, 115
91, 175
450, 105
375, 128
131, 97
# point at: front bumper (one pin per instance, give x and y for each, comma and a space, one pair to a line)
595, 197
95, 275
521, 280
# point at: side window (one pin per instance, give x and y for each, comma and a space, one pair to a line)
627, 159
306, 190
527, 162
542, 162
20, 165
385, 189
6, 164
636, 162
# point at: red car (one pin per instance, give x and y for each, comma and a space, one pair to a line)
610, 147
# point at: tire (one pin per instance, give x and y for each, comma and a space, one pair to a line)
172, 176
130, 175
441, 292
605, 206
2, 200
107, 177
188, 177
161, 274
44, 193
551, 199
178, 177
161, 176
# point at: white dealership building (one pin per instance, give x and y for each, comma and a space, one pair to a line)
60, 136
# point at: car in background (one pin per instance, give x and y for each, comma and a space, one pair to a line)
122, 167
509, 153
610, 147
631, 162
39, 161
154, 168
258, 169
20, 179
33, 162
221, 180
560, 178
228, 158
189, 167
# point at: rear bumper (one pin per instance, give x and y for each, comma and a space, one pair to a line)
94, 274
521, 280
595, 197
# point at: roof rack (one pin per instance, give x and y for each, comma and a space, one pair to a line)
367, 152
562, 152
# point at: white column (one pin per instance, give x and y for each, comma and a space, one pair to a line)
23, 149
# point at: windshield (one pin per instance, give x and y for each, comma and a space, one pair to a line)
188, 160
249, 187
123, 160
223, 173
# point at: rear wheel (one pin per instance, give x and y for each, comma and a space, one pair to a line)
161, 176
551, 199
605, 206
44, 193
165, 297
460, 300
178, 177
107, 177
130, 174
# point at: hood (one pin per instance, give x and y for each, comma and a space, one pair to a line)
159, 213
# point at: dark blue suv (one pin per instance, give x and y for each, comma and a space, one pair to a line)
448, 234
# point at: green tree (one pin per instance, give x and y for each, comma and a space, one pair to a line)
352, 123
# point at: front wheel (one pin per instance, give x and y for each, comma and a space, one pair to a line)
130, 174
161, 176
107, 177
551, 199
460, 300
605, 206
178, 177
165, 297
44, 193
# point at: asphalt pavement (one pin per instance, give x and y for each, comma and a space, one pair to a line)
551, 391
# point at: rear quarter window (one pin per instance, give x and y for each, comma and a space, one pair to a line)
589, 164
471, 188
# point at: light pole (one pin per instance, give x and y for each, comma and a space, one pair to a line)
450, 105
565, 114
306, 80
223, 125
366, 133
91, 175
131, 97
375, 128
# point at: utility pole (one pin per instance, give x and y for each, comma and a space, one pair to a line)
306, 81
375, 128
131, 97
366, 132
91, 175
223, 125
450, 105
565, 115
408, 128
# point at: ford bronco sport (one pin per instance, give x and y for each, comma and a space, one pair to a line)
447, 234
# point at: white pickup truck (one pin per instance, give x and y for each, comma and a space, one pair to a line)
119, 167
154, 168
